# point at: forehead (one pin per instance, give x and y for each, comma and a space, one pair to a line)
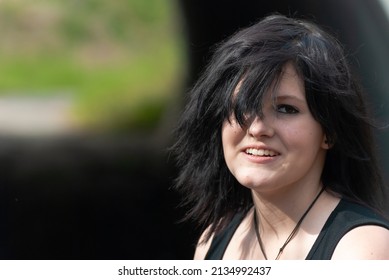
290, 84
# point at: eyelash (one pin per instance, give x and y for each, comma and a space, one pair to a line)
286, 109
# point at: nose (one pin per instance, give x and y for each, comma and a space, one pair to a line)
260, 127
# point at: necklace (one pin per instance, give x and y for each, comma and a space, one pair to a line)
291, 235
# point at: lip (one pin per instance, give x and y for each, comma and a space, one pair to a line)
260, 159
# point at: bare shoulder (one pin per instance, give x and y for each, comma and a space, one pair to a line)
203, 246
368, 242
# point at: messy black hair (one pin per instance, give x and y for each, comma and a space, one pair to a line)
255, 57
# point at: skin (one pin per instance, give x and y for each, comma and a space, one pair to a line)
285, 180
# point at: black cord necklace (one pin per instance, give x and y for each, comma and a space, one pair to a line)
291, 235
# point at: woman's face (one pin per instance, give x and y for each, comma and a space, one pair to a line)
285, 147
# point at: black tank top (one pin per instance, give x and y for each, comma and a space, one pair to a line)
346, 216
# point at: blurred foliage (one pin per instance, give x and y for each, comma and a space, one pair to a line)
122, 61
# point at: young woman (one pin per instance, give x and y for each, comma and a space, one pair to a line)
276, 150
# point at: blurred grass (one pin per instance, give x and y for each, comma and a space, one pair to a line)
122, 61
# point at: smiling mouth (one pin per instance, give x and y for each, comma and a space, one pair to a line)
261, 152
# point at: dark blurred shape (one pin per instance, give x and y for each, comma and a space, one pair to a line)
85, 198
109, 197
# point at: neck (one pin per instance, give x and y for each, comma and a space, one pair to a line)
291, 235
279, 212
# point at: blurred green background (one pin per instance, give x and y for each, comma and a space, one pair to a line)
120, 63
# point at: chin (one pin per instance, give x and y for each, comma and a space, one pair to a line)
254, 184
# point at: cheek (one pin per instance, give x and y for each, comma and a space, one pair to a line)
231, 134
306, 139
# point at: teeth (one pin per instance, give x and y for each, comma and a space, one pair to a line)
260, 152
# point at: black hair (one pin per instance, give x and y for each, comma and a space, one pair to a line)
255, 56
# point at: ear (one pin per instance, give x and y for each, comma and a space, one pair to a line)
326, 144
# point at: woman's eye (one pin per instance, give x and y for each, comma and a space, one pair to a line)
286, 109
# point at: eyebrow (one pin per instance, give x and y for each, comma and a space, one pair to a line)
287, 96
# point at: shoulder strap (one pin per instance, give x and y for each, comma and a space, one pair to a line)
345, 217
221, 240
